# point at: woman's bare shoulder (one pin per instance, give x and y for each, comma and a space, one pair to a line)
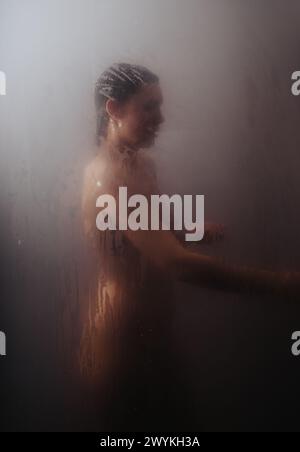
95, 168
147, 158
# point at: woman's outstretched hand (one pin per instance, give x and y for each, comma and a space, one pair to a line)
213, 232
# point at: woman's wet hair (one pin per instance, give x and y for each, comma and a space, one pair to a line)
119, 82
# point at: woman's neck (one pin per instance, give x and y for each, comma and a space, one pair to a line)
117, 150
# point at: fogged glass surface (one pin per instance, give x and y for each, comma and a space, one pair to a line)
231, 133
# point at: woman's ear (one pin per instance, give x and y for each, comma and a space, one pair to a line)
113, 109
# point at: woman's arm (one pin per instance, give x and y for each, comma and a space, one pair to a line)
216, 273
166, 252
213, 232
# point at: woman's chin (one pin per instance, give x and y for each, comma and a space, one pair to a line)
149, 141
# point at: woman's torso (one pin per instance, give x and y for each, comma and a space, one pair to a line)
128, 321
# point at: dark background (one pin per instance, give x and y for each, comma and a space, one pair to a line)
231, 133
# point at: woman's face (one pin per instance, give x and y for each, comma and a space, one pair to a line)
140, 117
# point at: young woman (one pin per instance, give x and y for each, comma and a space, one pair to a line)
126, 347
